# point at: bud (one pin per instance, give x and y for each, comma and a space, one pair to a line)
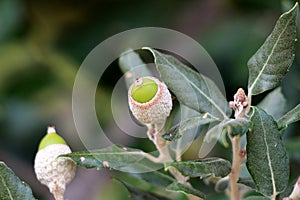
50, 170
240, 104
149, 100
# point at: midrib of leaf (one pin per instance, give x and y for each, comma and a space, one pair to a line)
269, 159
117, 153
8, 191
161, 174
209, 99
269, 57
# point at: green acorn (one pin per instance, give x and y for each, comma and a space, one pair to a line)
149, 100
51, 171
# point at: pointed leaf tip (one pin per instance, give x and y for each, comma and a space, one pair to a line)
268, 66
191, 88
11, 187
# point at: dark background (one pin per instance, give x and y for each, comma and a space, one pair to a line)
42, 44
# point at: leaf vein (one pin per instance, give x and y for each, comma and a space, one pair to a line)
197, 88
8, 191
269, 158
269, 57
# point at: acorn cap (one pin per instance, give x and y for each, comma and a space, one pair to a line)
149, 100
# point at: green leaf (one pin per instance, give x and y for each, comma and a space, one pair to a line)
247, 181
114, 157
156, 178
11, 187
293, 148
191, 88
288, 190
268, 66
256, 198
132, 66
178, 130
174, 116
219, 132
290, 117
144, 182
222, 184
186, 189
202, 168
274, 98
238, 126
267, 160
189, 132
138, 194
213, 135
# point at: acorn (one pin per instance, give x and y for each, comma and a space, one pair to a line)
50, 170
149, 100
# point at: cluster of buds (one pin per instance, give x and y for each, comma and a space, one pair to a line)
51, 170
240, 104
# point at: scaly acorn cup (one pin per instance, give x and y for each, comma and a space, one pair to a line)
50, 170
149, 100
151, 103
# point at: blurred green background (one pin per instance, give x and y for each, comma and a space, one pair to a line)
42, 44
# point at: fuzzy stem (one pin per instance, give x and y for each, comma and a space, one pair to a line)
249, 98
162, 146
155, 133
178, 153
58, 195
236, 168
164, 154
151, 158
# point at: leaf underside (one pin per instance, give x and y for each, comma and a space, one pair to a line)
290, 117
274, 98
186, 189
114, 157
132, 66
178, 130
268, 66
237, 127
203, 168
267, 160
156, 178
256, 198
11, 187
139, 194
191, 88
